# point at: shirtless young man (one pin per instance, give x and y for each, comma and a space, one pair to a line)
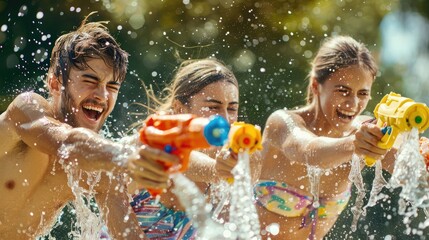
86, 71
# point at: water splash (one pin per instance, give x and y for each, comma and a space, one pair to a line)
88, 222
220, 197
314, 174
377, 185
243, 212
355, 177
410, 174
196, 208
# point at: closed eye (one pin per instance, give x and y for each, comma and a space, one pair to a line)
114, 87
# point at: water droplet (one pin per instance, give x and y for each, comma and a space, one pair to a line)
39, 15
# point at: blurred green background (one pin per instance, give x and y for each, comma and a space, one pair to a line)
268, 44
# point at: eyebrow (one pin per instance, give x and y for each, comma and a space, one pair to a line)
217, 101
348, 88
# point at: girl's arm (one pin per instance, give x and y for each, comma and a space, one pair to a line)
287, 131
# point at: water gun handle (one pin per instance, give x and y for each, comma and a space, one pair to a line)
386, 142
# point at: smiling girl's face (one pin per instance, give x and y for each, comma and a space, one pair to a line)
344, 96
218, 98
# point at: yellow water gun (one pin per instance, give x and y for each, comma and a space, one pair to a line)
397, 114
244, 136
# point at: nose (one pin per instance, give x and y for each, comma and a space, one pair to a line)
352, 102
101, 92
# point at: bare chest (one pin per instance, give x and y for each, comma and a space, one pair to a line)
33, 189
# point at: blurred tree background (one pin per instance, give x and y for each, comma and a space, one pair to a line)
268, 44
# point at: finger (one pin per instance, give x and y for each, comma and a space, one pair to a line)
367, 153
369, 147
375, 130
141, 172
225, 174
149, 152
369, 135
150, 165
371, 120
363, 148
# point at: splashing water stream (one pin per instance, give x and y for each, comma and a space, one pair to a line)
377, 185
243, 212
314, 175
196, 208
88, 222
355, 177
220, 197
410, 174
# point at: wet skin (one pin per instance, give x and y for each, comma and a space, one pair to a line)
36, 195
320, 134
33, 184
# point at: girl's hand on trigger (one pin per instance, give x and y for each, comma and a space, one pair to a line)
366, 141
225, 162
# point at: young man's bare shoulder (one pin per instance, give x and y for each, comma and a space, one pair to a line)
26, 107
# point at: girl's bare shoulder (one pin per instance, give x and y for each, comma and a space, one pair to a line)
285, 119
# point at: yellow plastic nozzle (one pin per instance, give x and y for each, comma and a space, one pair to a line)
244, 136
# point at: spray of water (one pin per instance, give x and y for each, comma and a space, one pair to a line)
243, 212
88, 222
220, 197
377, 185
196, 208
314, 175
410, 174
355, 177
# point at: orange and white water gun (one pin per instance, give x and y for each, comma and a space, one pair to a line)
181, 133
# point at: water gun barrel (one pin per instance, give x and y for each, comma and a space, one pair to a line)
181, 133
396, 114
244, 136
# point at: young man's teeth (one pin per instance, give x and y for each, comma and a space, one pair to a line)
98, 109
347, 113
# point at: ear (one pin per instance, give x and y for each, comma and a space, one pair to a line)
54, 85
314, 86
